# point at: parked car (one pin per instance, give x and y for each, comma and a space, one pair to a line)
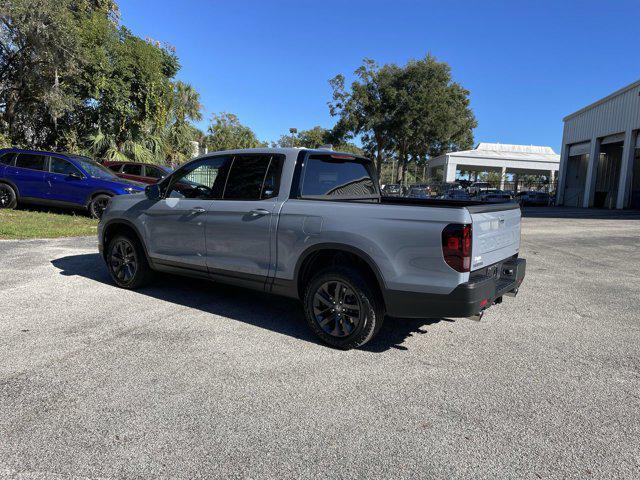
139, 172
419, 191
457, 194
477, 188
495, 196
424, 190
392, 190
533, 198
65, 180
312, 225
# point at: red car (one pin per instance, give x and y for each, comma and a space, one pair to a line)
139, 172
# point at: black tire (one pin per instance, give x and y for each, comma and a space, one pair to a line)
127, 262
337, 326
8, 197
98, 205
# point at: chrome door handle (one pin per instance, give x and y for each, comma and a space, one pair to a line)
259, 212
198, 210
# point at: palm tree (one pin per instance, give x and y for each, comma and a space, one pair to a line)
164, 142
186, 103
140, 145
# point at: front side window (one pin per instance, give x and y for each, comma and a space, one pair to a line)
337, 176
94, 169
203, 179
30, 161
115, 167
58, 165
253, 177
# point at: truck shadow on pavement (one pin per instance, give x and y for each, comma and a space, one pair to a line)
278, 314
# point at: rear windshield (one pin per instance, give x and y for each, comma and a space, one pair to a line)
338, 176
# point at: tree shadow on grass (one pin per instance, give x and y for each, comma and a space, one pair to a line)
78, 212
278, 314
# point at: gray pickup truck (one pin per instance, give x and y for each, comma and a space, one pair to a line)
312, 225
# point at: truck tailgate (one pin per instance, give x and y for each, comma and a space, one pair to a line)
496, 233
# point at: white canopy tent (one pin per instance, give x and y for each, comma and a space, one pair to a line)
500, 157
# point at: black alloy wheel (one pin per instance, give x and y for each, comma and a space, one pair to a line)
98, 205
123, 261
337, 309
343, 307
7, 196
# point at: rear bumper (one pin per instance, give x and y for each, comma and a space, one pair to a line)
466, 300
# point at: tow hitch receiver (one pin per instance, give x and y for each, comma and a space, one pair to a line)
512, 293
477, 317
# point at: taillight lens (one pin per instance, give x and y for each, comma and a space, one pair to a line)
456, 246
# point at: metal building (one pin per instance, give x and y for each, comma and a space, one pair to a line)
498, 157
600, 158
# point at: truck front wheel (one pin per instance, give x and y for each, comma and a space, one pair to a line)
342, 308
127, 262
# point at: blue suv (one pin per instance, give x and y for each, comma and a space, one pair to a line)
65, 180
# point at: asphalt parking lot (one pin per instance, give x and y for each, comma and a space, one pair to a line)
189, 379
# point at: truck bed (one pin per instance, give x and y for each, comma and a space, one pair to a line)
474, 206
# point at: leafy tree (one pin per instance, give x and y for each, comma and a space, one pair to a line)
225, 132
365, 110
4, 141
432, 114
38, 46
317, 137
408, 112
73, 78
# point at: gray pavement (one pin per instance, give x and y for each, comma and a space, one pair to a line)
190, 379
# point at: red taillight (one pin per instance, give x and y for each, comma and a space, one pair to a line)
456, 246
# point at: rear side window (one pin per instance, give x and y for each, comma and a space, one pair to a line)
30, 160
58, 165
132, 169
7, 158
271, 186
339, 177
153, 172
253, 177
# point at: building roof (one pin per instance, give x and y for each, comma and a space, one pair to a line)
504, 151
506, 147
515, 158
603, 100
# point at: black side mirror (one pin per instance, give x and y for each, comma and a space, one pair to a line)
75, 176
153, 192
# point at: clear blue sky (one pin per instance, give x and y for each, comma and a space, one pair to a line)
527, 64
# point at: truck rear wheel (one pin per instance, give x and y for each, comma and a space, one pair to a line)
341, 308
